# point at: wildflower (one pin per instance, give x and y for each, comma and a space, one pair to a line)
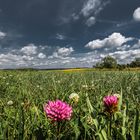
10, 103
93, 85
89, 120
34, 109
7, 83
58, 81
74, 97
58, 110
117, 95
128, 88
84, 86
22, 104
110, 104
39, 87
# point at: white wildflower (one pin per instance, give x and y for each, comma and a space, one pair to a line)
74, 97
117, 95
84, 86
7, 83
89, 120
58, 81
10, 102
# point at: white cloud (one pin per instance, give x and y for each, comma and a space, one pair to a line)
60, 36
63, 57
91, 58
65, 51
91, 21
93, 7
30, 49
11, 60
62, 52
114, 40
126, 56
2, 35
75, 16
27, 58
24, 57
137, 45
136, 14
41, 56
90, 6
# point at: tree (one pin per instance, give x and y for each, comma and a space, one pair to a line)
99, 65
122, 66
107, 62
135, 63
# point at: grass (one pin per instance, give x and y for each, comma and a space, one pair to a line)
30, 90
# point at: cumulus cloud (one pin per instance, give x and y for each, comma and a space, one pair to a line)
91, 21
29, 49
41, 56
10, 60
114, 40
136, 14
2, 35
126, 56
62, 52
63, 57
65, 51
28, 56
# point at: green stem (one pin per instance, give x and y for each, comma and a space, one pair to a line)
109, 126
58, 130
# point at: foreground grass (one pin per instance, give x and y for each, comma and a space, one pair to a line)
30, 90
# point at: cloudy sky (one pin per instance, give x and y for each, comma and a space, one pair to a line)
67, 33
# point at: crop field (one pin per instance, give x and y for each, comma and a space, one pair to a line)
69, 105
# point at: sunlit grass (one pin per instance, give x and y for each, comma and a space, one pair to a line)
23, 94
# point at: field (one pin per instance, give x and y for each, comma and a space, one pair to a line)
23, 95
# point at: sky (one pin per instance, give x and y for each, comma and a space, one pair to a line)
68, 33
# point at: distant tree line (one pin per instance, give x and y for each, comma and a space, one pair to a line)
111, 62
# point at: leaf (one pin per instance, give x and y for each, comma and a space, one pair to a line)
76, 129
120, 100
104, 134
95, 123
123, 130
120, 135
124, 117
90, 108
100, 136
136, 126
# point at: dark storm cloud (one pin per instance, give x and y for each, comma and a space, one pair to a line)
37, 15
51, 26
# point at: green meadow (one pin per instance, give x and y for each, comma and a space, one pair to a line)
24, 93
